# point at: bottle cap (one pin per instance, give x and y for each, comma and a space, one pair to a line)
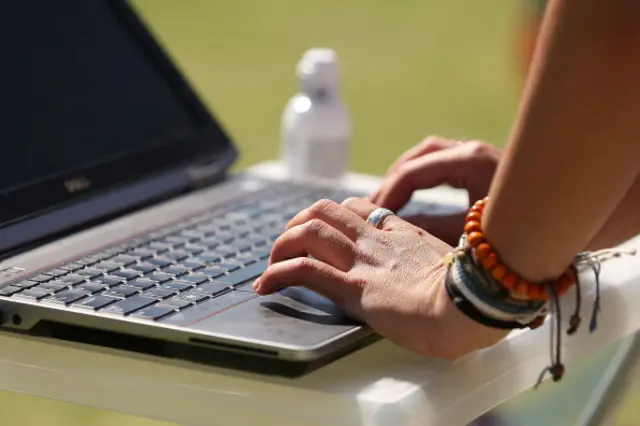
318, 68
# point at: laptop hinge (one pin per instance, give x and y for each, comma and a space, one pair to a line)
207, 173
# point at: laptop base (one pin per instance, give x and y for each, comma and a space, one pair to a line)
201, 352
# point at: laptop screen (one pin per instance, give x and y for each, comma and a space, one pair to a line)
90, 102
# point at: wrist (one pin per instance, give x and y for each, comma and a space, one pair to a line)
451, 324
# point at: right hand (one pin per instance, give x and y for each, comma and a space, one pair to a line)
435, 161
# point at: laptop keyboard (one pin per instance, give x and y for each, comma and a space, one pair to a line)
175, 268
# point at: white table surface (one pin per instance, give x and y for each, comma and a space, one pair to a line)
379, 385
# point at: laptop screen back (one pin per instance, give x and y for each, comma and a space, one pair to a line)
89, 102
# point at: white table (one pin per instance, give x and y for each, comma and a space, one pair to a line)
379, 385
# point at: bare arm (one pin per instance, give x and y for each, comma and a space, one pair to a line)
623, 224
575, 151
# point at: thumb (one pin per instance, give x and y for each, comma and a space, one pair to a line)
450, 166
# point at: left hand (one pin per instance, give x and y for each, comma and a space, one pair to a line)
391, 277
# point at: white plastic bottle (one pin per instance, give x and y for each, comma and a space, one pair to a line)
316, 126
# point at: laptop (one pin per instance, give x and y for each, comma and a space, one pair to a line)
121, 223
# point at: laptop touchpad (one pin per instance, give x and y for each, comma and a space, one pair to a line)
294, 315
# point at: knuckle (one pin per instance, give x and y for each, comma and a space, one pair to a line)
478, 148
404, 175
350, 201
314, 227
433, 142
303, 264
322, 206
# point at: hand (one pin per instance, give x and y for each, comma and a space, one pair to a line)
469, 165
392, 278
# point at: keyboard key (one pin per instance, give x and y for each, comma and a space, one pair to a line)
71, 267
159, 277
262, 253
209, 257
89, 260
159, 247
227, 267
225, 250
177, 303
177, 285
240, 245
211, 289
10, 290
127, 306
212, 272
89, 273
145, 268
243, 259
243, 275
103, 255
214, 241
25, 284
122, 291
175, 270
193, 250
142, 283
191, 296
256, 240
90, 288
124, 260
192, 234
108, 281
41, 278
206, 229
175, 240
128, 274
95, 302
159, 293
160, 262
114, 251
193, 264
154, 313
195, 278
65, 297
54, 286
142, 254
106, 266
34, 293
72, 279
176, 255
56, 272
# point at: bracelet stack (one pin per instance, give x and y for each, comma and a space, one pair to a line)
486, 255
489, 292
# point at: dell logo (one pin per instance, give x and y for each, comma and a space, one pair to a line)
76, 184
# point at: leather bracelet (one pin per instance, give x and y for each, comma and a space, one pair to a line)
467, 308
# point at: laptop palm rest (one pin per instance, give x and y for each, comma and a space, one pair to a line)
293, 316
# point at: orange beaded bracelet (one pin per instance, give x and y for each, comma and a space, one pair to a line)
487, 256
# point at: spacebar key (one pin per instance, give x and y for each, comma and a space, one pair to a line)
241, 276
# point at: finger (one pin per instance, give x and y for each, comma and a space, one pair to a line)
426, 146
363, 208
318, 239
312, 274
446, 166
333, 214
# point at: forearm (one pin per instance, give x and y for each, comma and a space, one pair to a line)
574, 151
623, 224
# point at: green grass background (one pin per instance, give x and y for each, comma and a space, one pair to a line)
410, 69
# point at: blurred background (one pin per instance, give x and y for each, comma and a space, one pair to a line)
409, 69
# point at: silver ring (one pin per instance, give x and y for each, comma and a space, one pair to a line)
378, 215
